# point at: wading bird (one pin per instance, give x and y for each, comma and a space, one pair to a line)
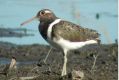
63, 35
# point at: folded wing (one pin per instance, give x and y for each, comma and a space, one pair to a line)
73, 32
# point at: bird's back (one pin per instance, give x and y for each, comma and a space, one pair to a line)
72, 32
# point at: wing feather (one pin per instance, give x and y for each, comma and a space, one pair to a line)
73, 32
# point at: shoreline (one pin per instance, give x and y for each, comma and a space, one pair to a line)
106, 67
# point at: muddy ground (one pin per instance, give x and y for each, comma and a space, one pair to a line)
106, 67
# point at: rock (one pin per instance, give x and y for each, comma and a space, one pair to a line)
77, 75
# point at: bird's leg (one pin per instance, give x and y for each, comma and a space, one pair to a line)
40, 63
64, 71
49, 68
95, 58
44, 60
47, 55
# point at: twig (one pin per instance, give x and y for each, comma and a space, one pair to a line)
23, 78
33, 68
27, 78
13, 78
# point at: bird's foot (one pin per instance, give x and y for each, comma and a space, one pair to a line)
65, 77
63, 74
47, 72
41, 63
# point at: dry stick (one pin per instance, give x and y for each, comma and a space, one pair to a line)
28, 78
33, 69
23, 78
13, 78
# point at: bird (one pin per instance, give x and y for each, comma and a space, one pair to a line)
62, 34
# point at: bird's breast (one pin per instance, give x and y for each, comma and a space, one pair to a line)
43, 30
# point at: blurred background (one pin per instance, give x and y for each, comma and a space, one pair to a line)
100, 15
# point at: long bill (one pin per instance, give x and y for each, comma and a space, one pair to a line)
28, 21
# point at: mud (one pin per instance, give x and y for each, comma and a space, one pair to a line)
106, 67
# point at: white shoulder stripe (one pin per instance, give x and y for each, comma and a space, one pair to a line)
50, 27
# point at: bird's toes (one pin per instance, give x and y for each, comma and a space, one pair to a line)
63, 77
66, 77
41, 63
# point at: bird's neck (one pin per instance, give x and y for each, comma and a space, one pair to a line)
48, 21
43, 27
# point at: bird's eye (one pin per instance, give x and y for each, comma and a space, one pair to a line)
42, 12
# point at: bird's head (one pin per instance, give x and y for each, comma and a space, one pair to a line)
43, 15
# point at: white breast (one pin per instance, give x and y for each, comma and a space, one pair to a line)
68, 45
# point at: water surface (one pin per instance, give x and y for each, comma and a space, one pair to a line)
14, 12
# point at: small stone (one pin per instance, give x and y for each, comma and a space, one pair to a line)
77, 75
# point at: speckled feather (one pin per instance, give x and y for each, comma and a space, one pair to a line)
72, 32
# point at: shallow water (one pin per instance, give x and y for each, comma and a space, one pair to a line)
14, 12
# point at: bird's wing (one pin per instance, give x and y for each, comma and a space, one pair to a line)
73, 32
